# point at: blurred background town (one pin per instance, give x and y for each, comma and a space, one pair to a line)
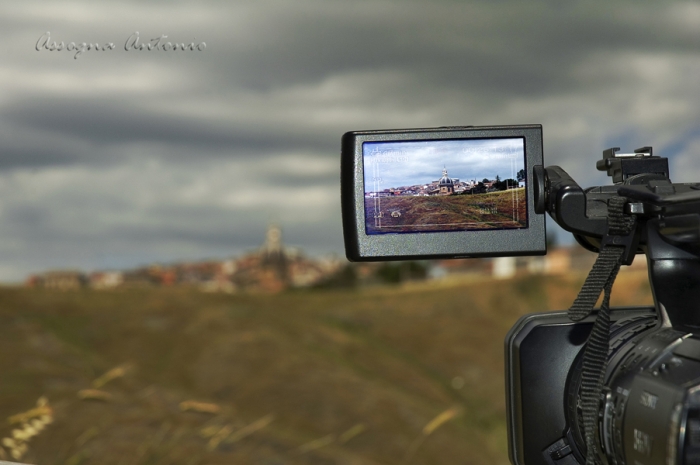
275, 267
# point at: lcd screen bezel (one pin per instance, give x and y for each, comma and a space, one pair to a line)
360, 246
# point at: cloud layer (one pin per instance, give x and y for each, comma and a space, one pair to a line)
120, 158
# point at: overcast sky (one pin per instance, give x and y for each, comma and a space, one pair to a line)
402, 164
121, 158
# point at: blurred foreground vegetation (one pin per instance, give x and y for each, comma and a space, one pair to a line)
387, 375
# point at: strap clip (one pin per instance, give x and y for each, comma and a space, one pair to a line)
629, 242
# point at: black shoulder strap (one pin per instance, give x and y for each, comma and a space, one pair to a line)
595, 355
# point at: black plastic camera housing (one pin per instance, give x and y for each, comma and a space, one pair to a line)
650, 406
543, 363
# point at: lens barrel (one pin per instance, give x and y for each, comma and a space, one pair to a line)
650, 412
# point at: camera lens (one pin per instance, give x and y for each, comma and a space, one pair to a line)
624, 334
650, 410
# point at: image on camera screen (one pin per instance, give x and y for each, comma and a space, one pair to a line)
444, 185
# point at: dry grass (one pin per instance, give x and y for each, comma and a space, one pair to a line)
297, 378
451, 212
31, 424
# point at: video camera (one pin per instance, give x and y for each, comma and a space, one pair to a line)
595, 386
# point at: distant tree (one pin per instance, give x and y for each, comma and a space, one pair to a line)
498, 178
346, 277
520, 175
394, 273
479, 189
505, 184
485, 180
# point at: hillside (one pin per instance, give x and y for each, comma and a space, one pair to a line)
342, 377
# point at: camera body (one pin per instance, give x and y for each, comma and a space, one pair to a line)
647, 400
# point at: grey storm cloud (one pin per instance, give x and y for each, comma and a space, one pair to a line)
108, 122
119, 158
500, 47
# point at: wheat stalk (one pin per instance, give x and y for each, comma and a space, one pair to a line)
351, 433
32, 422
201, 407
95, 394
114, 373
251, 428
317, 443
428, 429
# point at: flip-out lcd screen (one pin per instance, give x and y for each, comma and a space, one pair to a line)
459, 191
